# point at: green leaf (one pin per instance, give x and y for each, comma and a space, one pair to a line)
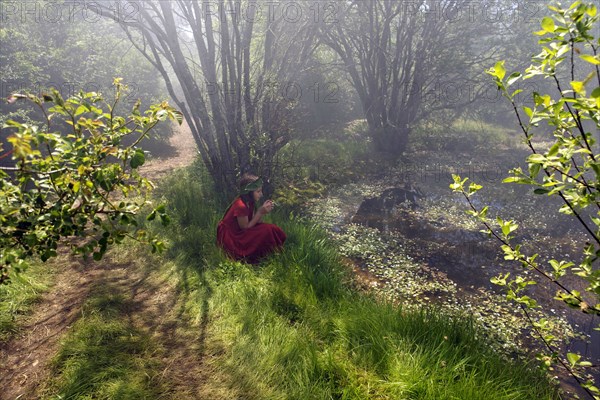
534, 170
516, 179
548, 24
80, 110
138, 159
573, 358
591, 59
500, 280
528, 301
507, 227
516, 92
596, 93
541, 191
578, 87
165, 219
483, 212
151, 216
252, 186
554, 149
536, 159
499, 70
512, 78
473, 187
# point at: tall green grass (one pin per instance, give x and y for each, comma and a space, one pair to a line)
19, 296
290, 328
104, 356
293, 329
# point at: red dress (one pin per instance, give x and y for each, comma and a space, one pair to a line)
247, 244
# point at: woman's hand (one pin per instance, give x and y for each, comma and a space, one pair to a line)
267, 207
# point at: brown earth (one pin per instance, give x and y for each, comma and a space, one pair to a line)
179, 152
187, 371
24, 359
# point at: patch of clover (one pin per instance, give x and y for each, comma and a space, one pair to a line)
414, 284
407, 281
338, 207
450, 211
385, 258
357, 241
326, 212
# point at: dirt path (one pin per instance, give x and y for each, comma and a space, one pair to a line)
180, 152
24, 360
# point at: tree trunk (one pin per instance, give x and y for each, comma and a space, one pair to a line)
236, 127
390, 139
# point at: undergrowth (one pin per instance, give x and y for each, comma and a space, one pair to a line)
289, 328
104, 356
19, 296
294, 329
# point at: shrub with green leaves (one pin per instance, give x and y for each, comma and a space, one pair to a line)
72, 177
568, 169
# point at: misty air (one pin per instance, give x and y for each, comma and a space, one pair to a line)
299, 199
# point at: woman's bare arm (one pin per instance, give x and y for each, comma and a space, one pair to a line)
245, 224
262, 210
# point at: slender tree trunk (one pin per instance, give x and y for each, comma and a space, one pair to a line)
210, 53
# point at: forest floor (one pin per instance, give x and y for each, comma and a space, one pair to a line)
26, 359
422, 248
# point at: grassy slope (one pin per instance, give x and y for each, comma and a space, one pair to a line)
17, 299
294, 329
289, 329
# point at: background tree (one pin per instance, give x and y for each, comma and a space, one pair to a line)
411, 60
57, 45
328, 97
394, 53
229, 66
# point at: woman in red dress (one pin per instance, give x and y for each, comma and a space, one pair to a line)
241, 233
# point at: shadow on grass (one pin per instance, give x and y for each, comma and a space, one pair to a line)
104, 355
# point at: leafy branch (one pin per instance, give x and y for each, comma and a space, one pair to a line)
83, 184
503, 231
568, 168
